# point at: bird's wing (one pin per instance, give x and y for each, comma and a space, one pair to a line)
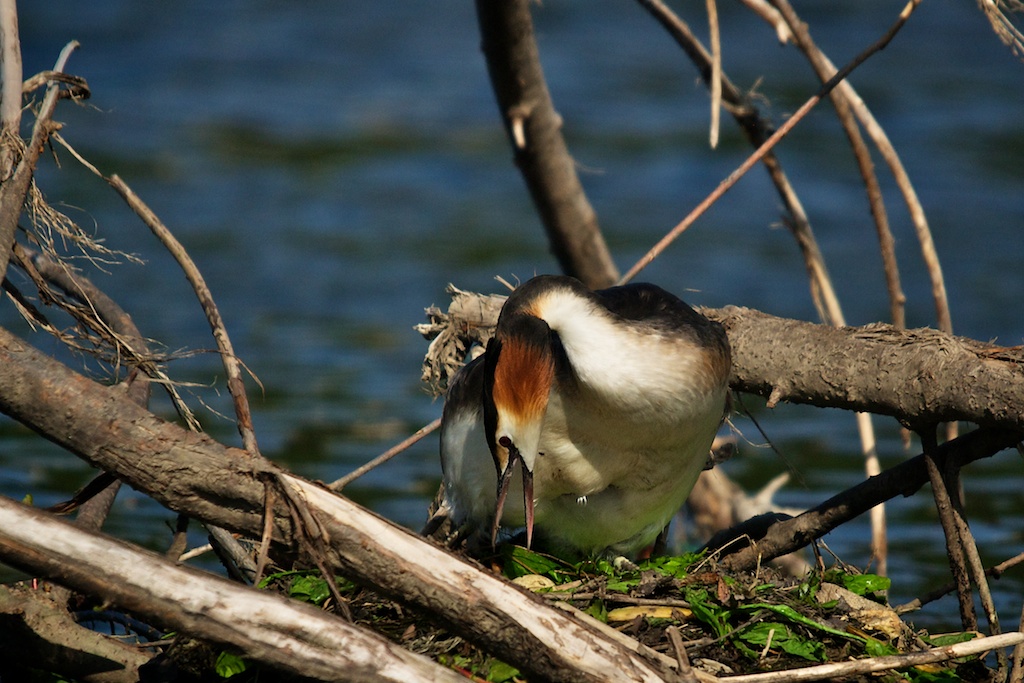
463, 403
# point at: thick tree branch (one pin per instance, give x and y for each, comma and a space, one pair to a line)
916, 376
534, 129
194, 474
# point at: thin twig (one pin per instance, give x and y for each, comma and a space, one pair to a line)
15, 188
763, 9
954, 544
783, 130
757, 129
872, 468
942, 591
263, 555
844, 112
783, 537
103, 316
341, 483
716, 72
906, 188
232, 366
863, 666
995, 11
686, 674
312, 537
1016, 674
822, 292
10, 87
951, 477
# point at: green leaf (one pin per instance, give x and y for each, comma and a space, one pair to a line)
519, 561
228, 665
807, 590
312, 589
783, 639
676, 567
500, 672
711, 614
598, 610
878, 648
861, 584
945, 639
622, 585
864, 584
795, 617
270, 578
600, 566
941, 676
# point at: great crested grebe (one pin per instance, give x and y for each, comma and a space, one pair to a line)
606, 401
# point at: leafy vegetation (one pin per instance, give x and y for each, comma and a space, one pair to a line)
740, 623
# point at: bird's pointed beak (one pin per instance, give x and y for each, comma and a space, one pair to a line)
503, 483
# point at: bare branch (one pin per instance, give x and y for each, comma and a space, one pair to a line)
841, 99
192, 473
756, 129
922, 370
290, 636
341, 483
902, 480
996, 13
10, 89
933, 595
232, 366
534, 129
843, 670
716, 72
38, 628
14, 190
783, 130
954, 542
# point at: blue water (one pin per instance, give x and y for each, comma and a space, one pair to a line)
332, 166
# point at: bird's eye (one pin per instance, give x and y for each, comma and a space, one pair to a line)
505, 442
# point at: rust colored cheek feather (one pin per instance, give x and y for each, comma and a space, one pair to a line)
522, 380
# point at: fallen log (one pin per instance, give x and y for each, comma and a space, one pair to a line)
193, 474
288, 635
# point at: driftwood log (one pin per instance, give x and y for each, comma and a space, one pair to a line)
291, 636
194, 474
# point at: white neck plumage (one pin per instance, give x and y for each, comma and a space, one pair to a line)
619, 359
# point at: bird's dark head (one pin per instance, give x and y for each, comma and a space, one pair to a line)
520, 369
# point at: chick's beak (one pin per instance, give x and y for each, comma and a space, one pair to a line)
504, 480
